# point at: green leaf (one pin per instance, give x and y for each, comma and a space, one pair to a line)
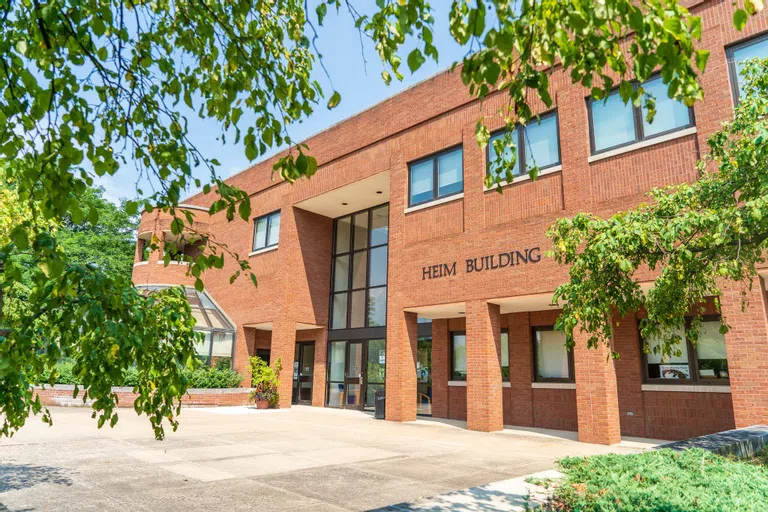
415, 60
740, 19
334, 101
673, 25
701, 59
321, 10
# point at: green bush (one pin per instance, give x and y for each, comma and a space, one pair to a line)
204, 377
265, 380
659, 481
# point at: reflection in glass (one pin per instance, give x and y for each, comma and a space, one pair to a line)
343, 227
377, 307
450, 175
359, 267
341, 273
339, 320
336, 394
673, 366
424, 376
505, 356
613, 122
361, 230
711, 353
355, 361
357, 314
260, 235
757, 49
376, 361
670, 114
551, 355
459, 355
370, 394
380, 226
422, 182
507, 153
336, 365
541, 143
353, 395
378, 266
274, 229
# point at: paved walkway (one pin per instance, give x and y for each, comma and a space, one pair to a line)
241, 459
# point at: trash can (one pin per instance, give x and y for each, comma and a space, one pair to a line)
380, 404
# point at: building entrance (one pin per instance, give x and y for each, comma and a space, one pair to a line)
303, 369
356, 370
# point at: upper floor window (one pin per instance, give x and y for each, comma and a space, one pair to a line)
702, 362
738, 54
553, 362
538, 144
266, 231
613, 124
435, 177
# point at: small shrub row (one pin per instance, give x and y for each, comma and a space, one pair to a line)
206, 377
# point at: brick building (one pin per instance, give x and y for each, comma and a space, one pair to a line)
394, 268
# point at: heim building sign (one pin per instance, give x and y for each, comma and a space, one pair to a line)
483, 263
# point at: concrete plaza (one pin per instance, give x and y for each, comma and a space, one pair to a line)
239, 458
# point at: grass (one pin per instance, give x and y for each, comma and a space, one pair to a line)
663, 481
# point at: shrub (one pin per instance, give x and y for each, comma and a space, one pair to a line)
662, 480
265, 380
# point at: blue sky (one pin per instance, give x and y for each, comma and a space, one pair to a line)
359, 83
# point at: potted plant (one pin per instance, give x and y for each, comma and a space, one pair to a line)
265, 382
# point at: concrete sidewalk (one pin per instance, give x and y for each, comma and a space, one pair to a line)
243, 459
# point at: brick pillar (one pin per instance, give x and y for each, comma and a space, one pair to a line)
284, 346
520, 369
318, 375
402, 341
626, 339
441, 368
597, 401
485, 410
747, 350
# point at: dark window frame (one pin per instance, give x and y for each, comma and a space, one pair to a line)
521, 152
509, 356
637, 113
733, 72
434, 157
269, 216
571, 365
693, 360
350, 252
453, 336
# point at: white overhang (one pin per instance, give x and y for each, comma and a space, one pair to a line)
437, 311
525, 303
350, 198
267, 326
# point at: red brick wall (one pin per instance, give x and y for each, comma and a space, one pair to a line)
457, 403
555, 408
675, 415
62, 395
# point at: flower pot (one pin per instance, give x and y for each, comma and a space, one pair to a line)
262, 404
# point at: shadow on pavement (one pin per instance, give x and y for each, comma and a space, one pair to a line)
21, 476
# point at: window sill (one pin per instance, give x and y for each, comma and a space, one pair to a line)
553, 385
436, 202
161, 262
687, 388
262, 251
457, 383
140, 263
642, 144
526, 177
506, 384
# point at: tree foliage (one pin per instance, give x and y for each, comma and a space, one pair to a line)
88, 87
693, 235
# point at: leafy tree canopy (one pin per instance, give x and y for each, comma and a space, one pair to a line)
87, 87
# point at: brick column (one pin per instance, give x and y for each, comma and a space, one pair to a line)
441, 368
402, 341
484, 394
318, 374
747, 350
626, 339
284, 346
597, 401
520, 369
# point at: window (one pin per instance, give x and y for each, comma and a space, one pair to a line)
553, 362
143, 249
738, 54
266, 231
360, 269
614, 124
704, 362
441, 175
538, 144
458, 355
218, 335
505, 355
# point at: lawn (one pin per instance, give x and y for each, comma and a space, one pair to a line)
663, 481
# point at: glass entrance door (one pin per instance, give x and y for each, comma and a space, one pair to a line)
356, 370
303, 370
424, 376
354, 375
